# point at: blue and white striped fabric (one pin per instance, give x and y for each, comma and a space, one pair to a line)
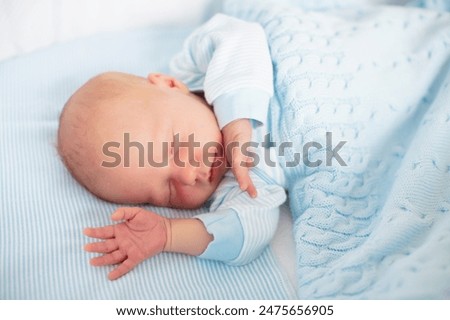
242, 227
43, 210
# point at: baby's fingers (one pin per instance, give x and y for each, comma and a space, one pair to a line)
125, 213
251, 189
100, 233
245, 182
109, 258
107, 246
122, 269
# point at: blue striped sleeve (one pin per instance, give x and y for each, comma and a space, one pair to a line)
242, 227
249, 103
228, 234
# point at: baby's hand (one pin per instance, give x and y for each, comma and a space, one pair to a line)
235, 134
141, 235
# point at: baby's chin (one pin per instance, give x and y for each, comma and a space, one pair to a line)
191, 203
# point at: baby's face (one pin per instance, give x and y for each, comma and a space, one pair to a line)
140, 157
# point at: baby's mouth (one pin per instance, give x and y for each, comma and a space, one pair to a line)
211, 170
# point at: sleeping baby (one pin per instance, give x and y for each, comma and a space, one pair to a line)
369, 210
169, 141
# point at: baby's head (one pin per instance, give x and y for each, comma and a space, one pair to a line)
116, 137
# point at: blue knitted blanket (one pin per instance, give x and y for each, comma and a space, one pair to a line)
371, 83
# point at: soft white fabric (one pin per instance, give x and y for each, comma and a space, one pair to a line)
28, 25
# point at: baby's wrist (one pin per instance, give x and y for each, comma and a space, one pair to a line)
186, 235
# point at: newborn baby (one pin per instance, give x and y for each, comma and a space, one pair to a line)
130, 139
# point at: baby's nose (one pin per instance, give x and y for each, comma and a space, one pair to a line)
187, 176
190, 175
203, 174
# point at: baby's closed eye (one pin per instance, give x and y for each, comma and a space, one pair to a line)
170, 192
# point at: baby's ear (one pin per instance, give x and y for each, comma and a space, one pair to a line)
165, 81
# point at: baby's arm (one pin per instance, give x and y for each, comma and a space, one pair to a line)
143, 234
242, 228
229, 60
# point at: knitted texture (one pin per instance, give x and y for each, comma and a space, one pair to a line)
376, 225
